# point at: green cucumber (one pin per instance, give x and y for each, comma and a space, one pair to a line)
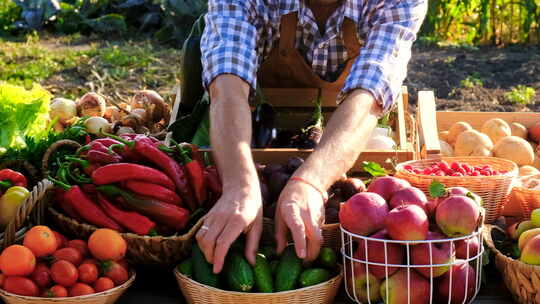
273, 266
238, 272
186, 268
263, 275
314, 276
288, 270
202, 270
327, 258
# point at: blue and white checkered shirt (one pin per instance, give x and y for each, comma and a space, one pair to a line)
240, 34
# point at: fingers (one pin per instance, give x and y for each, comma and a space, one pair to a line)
293, 219
207, 237
281, 232
229, 234
253, 238
313, 222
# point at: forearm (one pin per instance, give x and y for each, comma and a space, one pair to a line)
230, 130
345, 136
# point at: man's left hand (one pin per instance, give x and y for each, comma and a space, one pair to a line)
300, 209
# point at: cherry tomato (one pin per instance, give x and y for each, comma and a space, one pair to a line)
41, 275
80, 289
79, 245
115, 272
103, 284
60, 239
71, 255
57, 291
64, 273
21, 286
88, 273
91, 261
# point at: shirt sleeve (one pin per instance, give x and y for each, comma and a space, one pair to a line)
228, 44
381, 66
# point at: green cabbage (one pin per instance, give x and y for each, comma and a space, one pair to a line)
22, 113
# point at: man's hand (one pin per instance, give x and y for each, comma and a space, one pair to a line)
238, 210
300, 209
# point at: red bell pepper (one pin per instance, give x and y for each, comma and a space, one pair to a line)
154, 191
132, 221
10, 178
114, 173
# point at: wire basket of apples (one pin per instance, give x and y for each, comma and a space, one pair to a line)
400, 247
47, 268
489, 177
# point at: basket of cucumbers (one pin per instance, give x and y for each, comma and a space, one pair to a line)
273, 279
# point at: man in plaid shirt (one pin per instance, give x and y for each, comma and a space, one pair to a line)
358, 49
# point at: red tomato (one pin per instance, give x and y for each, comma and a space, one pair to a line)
79, 245
103, 284
80, 289
2, 278
114, 271
60, 239
41, 275
21, 286
88, 273
124, 264
57, 291
64, 273
91, 261
71, 255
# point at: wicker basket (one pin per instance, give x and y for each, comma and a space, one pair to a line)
16, 228
106, 297
521, 279
196, 293
330, 232
494, 190
146, 250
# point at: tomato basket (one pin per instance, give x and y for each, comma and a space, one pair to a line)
373, 274
493, 190
106, 297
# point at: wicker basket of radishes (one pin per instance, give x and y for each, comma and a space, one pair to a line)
399, 247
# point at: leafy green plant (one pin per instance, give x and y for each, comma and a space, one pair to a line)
10, 12
521, 94
471, 81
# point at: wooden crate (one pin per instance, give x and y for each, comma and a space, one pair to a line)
430, 122
295, 107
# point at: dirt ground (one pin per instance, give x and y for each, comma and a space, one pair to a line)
496, 71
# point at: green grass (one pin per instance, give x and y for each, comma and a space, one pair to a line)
471, 81
521, 94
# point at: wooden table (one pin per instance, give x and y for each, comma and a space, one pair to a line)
159, 287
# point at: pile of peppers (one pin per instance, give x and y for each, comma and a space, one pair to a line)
136, 184
13, 192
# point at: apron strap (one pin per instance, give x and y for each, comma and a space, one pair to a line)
350, 38
287, 34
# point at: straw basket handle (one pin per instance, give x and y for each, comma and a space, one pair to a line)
427, 123
24, 211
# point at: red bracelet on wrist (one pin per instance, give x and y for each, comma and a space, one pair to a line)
324, 194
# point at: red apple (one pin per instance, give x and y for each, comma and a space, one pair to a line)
364, 213
441, 253
407, 223
375, 253
511, 230
386, 186
463, 283
465, 192
534, 132
431, 206
358, 286
461, 248
407, 196
403, 286
457, 216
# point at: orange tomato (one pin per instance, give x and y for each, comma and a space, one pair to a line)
107, 244
80, 289
60, 240
103, 284
57, 291
17, 260
64, 273
71, 255
88, 273
21, 286
79, 245
41, 241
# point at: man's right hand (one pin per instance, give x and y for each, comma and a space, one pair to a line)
238, 210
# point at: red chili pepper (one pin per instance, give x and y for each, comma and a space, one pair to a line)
195, 173
103, 157
212, 180
132, 221
154, 191
114, 173
85, 207
64, 205
87, 139
10, 178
